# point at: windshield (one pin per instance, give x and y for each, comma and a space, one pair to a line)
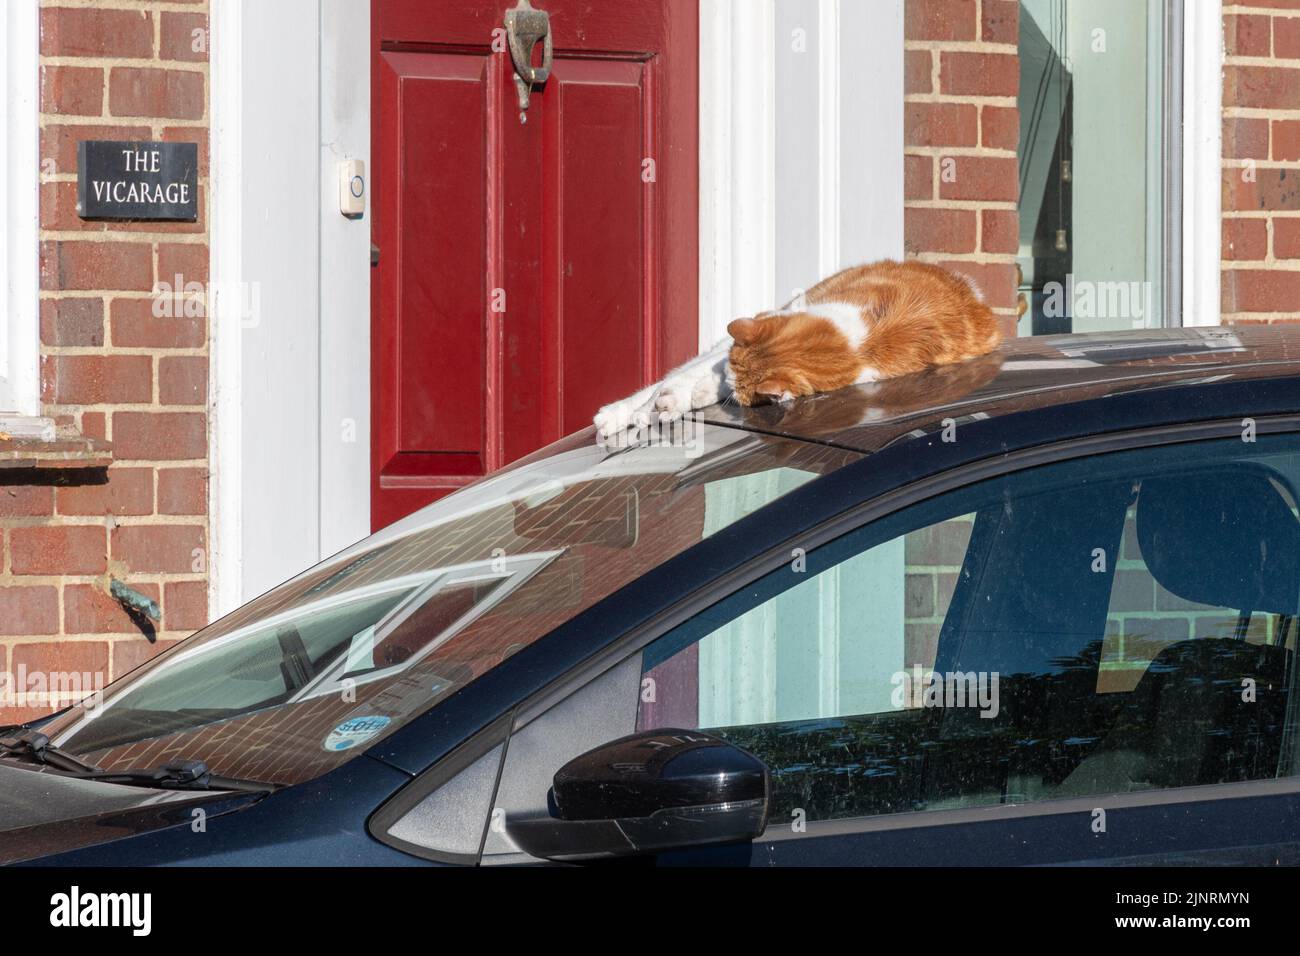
305, 676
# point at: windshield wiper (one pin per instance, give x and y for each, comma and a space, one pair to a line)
36, 746
175, 775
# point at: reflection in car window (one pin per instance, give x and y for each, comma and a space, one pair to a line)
1125, 622
309, 674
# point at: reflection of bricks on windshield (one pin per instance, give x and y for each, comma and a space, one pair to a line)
589, 568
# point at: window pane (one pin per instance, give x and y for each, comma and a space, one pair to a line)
1093, 164
1113, 624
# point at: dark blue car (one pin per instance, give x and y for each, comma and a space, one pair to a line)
1036, 608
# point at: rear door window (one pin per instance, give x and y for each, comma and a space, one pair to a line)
1119, 623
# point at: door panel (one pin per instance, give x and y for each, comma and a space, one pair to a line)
595, 158
439, 393
530, 268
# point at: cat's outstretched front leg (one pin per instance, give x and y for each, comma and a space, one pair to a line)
635, 411
700, 382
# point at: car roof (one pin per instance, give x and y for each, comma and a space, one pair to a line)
1026, 374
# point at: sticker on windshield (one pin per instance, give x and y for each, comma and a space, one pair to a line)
355, 731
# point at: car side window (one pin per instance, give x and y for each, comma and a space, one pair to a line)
1117, 623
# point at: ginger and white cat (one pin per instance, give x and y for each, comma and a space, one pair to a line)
864, 324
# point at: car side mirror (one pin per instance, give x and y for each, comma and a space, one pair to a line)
653, 791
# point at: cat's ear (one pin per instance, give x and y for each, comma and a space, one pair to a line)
743, 331
772, 389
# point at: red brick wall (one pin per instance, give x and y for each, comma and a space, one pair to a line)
1261, 162
961, 130
111, 369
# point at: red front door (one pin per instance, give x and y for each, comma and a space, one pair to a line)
529, 271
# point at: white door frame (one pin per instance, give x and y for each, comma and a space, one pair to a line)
289, 430
1202, 148
780, 110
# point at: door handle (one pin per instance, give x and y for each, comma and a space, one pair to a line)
374, 254
525, 28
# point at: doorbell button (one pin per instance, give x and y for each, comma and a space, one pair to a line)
352, 187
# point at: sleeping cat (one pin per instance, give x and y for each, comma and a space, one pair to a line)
864, 324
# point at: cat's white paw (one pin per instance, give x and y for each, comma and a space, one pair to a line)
674, 399
616, 418
708, 391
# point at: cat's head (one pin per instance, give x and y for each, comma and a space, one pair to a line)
776, 357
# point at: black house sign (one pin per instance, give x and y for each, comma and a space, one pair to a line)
120, 180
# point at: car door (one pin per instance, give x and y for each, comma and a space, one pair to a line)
1088, 661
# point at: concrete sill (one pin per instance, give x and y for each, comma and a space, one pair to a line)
34, 443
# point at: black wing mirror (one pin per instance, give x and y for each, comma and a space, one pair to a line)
652, 791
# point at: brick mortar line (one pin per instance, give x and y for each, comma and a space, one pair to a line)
972, 204
144, 577
162, 463
1247, 320
151, 407
1282, 12
1265, 214
101, 521
141, 238
961, 46
972, 99
120, 351
1227, 163
128, 62
1264, 62
1260, 112
132, 294
1252, 265
76, 119
76, 637
133, 5
979, 257
915, 149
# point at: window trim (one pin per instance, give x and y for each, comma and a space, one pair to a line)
20, 212
1197, 30
882, 507
779, 831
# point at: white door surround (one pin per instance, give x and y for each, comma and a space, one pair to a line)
801, 147
290, 370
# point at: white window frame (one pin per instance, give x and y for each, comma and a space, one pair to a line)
1202, 149
19, 214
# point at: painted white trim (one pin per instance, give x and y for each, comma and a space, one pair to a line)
20, 207
853, 156
737, 163
225, 326
828, 138
290, 328
871, 131
344, 279
1202, 163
